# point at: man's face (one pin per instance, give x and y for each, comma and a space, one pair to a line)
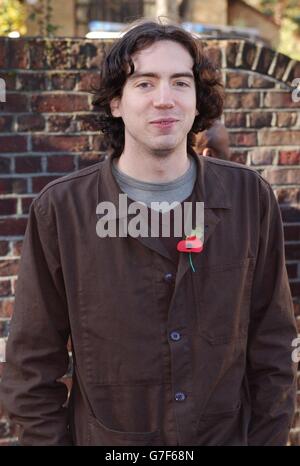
161, 88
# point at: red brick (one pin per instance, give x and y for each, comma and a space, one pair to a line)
86, 54
8, 206
89, 158
238, 157
297, 324
214, 54
28, 164
88, 122
9, 267
100, 143
286, 119
60, 163
292, 271
13, 143
289, 157
10, 79
61, 123
288, 196
296, 420
88, 81
15, 103
59, 103
3, 52
232, 49
290, 215
38, 54
292, 233
296, 304
4, 248
31, 122
295, 290
13, 226
261, 119
6, 307
294, 73
268, 137
292, 252
5, 123
13, 285
248, 54
243, 139
13, 185
5, 288
265, 59
5, 163
243, 100
63, 81
69, 345
40, 181
260, 82
17, 53
282, 175
60, 143
58, 52
281, 65
31, 82
261, 156
26, 203
236, 80
68, 382
235, 119
17, 247
279, 100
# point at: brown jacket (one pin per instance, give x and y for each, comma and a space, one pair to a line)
162, 355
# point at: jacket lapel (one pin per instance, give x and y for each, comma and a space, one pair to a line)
208, 189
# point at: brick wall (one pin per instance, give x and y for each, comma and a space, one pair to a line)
48, 129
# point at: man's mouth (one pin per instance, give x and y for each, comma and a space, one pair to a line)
164, 123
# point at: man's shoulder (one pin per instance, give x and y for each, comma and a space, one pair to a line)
230, 171
72, 181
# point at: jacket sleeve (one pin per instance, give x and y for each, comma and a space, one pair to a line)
271, 372
36, 352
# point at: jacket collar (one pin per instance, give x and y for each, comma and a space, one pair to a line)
208, 186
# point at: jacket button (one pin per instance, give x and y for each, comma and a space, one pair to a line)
175, 336
169, 278
180, 396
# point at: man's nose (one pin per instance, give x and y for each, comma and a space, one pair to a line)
163, 96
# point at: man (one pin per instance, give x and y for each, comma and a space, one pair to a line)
169, 347
214, 142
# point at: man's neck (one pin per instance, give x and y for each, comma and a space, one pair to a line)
153, 168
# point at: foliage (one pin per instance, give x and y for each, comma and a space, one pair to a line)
41, 12
15, 14
12, 17
285, 13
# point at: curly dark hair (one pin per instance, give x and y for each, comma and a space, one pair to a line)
114, 72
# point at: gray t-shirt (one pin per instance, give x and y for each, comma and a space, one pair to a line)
171, 191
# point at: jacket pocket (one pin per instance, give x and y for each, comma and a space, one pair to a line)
226, 412
223, 297
221, 427
99, 434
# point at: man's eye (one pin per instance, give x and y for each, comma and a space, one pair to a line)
143, 85
182, 84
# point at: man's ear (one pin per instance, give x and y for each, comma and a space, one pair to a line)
115, 107
207, 152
